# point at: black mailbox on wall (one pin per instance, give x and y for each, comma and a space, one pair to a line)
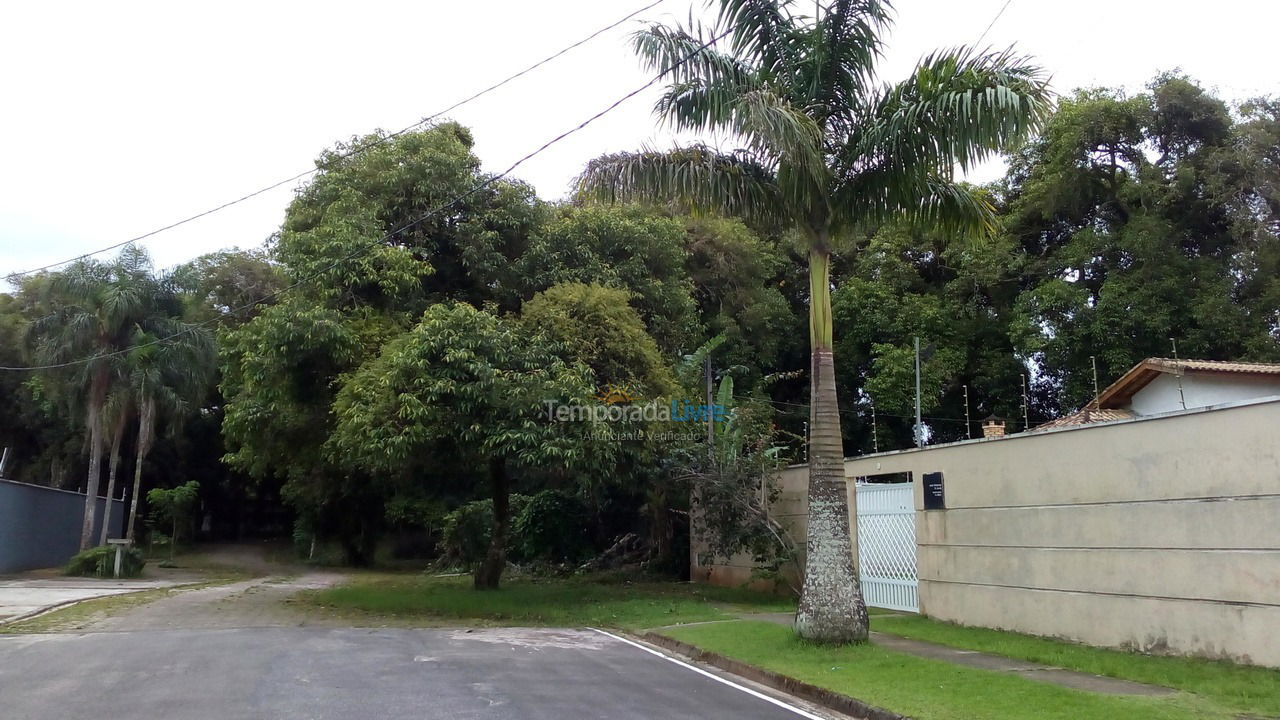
934, 496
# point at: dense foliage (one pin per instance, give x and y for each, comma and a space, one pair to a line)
399, 391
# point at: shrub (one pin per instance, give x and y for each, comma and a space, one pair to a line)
101, 562
465, 537
175, 506
552, 527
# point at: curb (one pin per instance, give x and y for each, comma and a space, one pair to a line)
819, 696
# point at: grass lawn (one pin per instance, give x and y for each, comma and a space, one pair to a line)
928, 689
1244, 688
533, 602
903, 683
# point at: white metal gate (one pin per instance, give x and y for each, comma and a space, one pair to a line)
887, 545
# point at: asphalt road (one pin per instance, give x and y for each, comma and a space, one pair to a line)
313, 673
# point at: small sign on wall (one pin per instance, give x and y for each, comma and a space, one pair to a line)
934, 496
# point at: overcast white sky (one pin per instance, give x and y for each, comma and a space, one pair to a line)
121, 117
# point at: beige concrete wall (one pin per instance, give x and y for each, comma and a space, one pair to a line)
791, 509
1159, 534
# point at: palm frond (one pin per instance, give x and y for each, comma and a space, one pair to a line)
883, 195
698, 104
958, 108
777, 133
684, 55
774, 128
697, 178
763, 30
842, 47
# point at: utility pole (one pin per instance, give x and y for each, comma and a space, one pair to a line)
875, 436
1026, 417
968, 428
1181, 396
919, 427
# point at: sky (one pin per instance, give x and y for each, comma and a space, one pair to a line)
119, 118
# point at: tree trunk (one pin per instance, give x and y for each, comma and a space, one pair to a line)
97, 398
117, 435
146, 422
831, 606
495, 561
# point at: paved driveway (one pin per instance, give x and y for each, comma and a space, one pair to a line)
349, 673
22, 596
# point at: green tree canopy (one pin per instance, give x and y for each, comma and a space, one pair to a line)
597, 327
373, 240
463, 382
631, 249
1144, 219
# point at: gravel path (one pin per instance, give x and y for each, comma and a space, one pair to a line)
260, 602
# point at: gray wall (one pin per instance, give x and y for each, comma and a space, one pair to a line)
1158, 534
40, 526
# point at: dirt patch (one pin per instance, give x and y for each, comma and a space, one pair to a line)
534, 638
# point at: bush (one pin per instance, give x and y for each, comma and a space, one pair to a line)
552, 527
101, 562
465, 537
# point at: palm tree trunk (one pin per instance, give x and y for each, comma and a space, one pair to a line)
831, 606
97, 398
495, 561
117, 435
146, 422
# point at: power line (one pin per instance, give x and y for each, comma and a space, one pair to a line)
369, 246
993, 22
853, 412
343, 156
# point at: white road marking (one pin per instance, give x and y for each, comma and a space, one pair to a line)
802, 713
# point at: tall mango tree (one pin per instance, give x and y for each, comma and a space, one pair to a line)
827, 151
464, 383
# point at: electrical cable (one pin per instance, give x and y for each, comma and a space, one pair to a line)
993, 22
369, 246
342, 156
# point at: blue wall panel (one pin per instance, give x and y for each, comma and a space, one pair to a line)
40, 526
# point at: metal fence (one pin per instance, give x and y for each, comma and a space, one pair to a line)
40, 526
887, 545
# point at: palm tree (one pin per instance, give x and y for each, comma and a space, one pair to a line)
97, 306
165, 376
827, 151
118, 409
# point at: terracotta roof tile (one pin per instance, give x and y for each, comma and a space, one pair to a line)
1217, 366
1086, 416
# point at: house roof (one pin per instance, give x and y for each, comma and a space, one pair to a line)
1109, 405
1118, 393
1085, 416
